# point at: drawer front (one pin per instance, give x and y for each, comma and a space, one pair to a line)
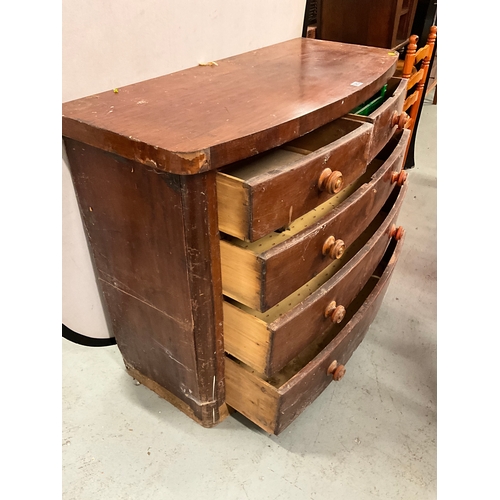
270, 191
261, 280
383, 118
268, 346
275, 403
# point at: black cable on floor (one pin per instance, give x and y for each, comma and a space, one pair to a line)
78, 338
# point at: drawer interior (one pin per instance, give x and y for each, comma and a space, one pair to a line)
251, 335
273, 402
312, 217
311, 286
252, 272
322, 136
376, 100
315, 348
284, 157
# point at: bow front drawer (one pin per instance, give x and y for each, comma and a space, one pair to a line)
387, 117
262, 273
269, 191
273, 403
268, 341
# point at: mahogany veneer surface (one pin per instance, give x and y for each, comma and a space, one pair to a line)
209, 116
153, 230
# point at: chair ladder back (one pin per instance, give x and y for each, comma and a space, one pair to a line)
421, 53
431, 41
410, 100
412, 58
415, 78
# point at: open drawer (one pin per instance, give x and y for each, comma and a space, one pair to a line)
274, 403
268, 341
387, 117
269, 191
262, 273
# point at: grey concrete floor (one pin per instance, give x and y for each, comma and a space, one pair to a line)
371, 436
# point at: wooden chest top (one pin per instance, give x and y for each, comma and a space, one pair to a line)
206, 117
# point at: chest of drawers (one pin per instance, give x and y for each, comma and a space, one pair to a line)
242, 223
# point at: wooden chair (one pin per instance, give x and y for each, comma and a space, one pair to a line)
416, 68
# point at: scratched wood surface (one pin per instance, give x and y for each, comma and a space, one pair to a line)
277, 272
294, 331
153, 240
205, 117
382, 117
278, 194
268, 341
276, 403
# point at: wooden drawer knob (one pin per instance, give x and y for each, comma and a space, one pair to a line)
336, 370
339, 373
400, 177
335, 312
396, 232
334, 248
401, 120
331, 182
338, 314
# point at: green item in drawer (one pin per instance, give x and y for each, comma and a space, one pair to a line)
371, 104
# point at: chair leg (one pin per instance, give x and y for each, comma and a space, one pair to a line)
435, 100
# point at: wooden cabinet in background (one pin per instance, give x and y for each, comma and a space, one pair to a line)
378, 23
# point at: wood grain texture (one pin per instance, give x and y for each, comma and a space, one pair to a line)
276, 403
281, 194
174, 400
232, 201
155, 249
241, 274
251, 396
246, 337
288, 265
268, 347
293, 331
383, 23
206, 117
203, 261
381, 118
297, 260
363, 22
303, 388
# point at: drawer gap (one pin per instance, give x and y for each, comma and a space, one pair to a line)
315, 348
321, 137
312, 217
388, 149
377, 99
311, 286
263, 163
310, 352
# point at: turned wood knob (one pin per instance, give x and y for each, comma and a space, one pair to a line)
401, 120
338, 314
337, 250
399, 177
334, 248
339, 373
335, 312
336, 370
331, 182
332, 367
396, 232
